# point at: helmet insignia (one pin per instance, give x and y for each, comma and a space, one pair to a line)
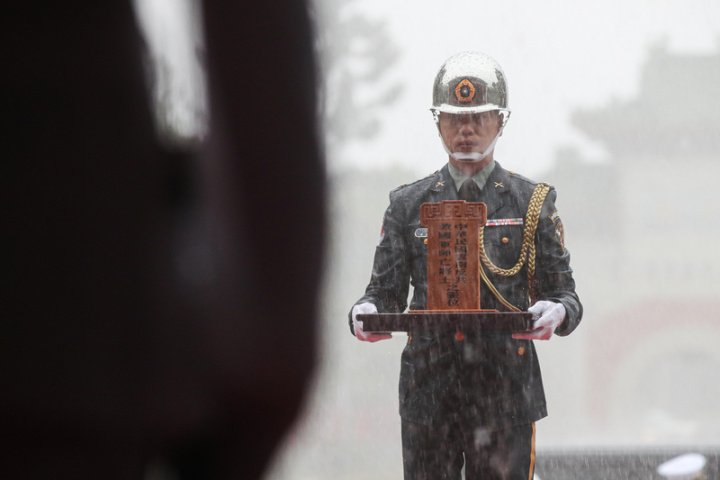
465, 91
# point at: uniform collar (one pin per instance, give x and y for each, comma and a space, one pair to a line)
498, 180
493, 195
480, 177
497, 185
441, 180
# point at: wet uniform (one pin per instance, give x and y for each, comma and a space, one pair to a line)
484, 393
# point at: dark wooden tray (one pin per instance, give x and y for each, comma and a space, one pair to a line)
482, 321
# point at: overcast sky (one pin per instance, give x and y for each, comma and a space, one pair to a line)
557, 56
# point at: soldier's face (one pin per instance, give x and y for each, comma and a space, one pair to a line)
469, 132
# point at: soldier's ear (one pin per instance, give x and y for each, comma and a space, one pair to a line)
501, 121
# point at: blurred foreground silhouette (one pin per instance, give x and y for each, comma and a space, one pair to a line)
162, 303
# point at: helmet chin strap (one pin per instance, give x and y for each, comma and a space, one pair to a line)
471, 157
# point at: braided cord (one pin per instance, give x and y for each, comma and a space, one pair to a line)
531, 275
495, 291
527, 250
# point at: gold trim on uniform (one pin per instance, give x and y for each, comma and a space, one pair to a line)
531, 470
559, 229
527, 249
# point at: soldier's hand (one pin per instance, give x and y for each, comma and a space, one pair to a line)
366, 307
547, 316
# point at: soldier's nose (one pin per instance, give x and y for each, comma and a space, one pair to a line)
467, 129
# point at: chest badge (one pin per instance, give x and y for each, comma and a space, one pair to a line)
501, 222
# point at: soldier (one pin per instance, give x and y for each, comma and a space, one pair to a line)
473, 400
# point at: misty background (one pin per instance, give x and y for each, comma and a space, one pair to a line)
616, 103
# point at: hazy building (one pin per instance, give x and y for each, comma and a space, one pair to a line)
643, 228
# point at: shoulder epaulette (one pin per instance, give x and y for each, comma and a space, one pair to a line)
521, 178
416, 182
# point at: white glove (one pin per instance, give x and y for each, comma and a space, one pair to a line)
547, 316
366, 307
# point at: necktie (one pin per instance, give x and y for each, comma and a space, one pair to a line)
469, 191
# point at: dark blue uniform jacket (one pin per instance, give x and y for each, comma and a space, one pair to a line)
490, 380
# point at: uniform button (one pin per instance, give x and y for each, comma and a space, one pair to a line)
521, 351
505, 240
425, 241
459, 336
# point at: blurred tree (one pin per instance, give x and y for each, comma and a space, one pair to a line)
356, 55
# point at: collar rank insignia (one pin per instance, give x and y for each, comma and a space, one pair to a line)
465, 91
439, 184
499, 185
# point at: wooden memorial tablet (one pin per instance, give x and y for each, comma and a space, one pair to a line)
453, 277
452, 252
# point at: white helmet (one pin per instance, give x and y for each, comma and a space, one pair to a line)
470, 82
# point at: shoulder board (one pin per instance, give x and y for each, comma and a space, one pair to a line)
521, 178
418, 183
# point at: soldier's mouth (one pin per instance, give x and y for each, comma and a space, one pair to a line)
466, 146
